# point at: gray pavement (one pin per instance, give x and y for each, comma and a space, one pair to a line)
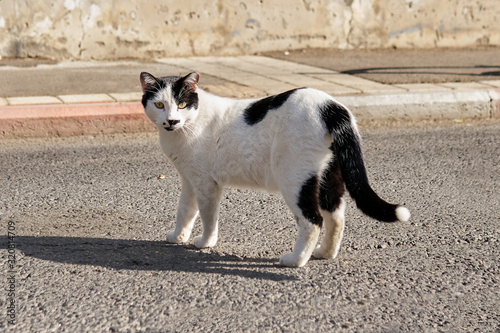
38, 77
405, 66
90, 215
324, 68
71, 98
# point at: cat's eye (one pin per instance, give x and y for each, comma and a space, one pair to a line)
159, 105
182, 105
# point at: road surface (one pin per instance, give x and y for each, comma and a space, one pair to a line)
89, 215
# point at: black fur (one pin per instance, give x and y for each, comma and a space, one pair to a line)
257, 111
347, 149
182, 91
331, 187
150, 88
308, 201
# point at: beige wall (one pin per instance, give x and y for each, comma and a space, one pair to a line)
112, 29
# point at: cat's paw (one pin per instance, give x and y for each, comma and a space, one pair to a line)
201, 242
321, 253
174, 238
292, 260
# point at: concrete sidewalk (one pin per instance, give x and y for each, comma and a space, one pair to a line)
72, 109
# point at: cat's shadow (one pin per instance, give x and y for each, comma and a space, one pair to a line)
124, 254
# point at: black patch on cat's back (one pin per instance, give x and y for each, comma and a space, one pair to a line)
257, 111
336, 117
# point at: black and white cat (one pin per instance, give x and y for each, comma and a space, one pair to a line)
302, 143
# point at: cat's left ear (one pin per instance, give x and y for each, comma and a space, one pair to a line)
192, 80
147, 81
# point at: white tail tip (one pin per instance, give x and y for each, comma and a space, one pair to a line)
403, 214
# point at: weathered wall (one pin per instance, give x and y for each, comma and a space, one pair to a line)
111, 29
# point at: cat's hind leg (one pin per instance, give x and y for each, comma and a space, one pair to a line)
305, 206
186, 215
332, 209
334, 231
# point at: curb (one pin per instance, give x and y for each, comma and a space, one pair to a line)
63, 118
72, 119
456, 104
70, 110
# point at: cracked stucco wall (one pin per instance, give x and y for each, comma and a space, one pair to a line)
146, 29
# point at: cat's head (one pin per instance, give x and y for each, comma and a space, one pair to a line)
171, 101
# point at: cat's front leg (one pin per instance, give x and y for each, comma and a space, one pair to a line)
186, 215
209, 204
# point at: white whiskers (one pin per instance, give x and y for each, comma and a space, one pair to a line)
188, 128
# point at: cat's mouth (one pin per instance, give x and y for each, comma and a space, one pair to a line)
170, 127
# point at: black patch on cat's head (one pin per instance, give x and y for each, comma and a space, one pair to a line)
148, 82
184, 90
152, 85
257, 111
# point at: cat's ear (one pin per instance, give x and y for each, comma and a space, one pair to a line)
192, 80
147, 81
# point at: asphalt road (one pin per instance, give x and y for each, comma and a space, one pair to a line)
90, 217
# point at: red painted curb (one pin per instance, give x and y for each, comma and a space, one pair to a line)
72, 119
69, 110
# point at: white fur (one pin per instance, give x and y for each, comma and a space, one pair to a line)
334, 231
212, 147
403, 214
220, 147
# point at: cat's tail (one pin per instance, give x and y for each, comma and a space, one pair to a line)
347, 148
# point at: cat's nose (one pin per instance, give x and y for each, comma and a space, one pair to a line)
172, 122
